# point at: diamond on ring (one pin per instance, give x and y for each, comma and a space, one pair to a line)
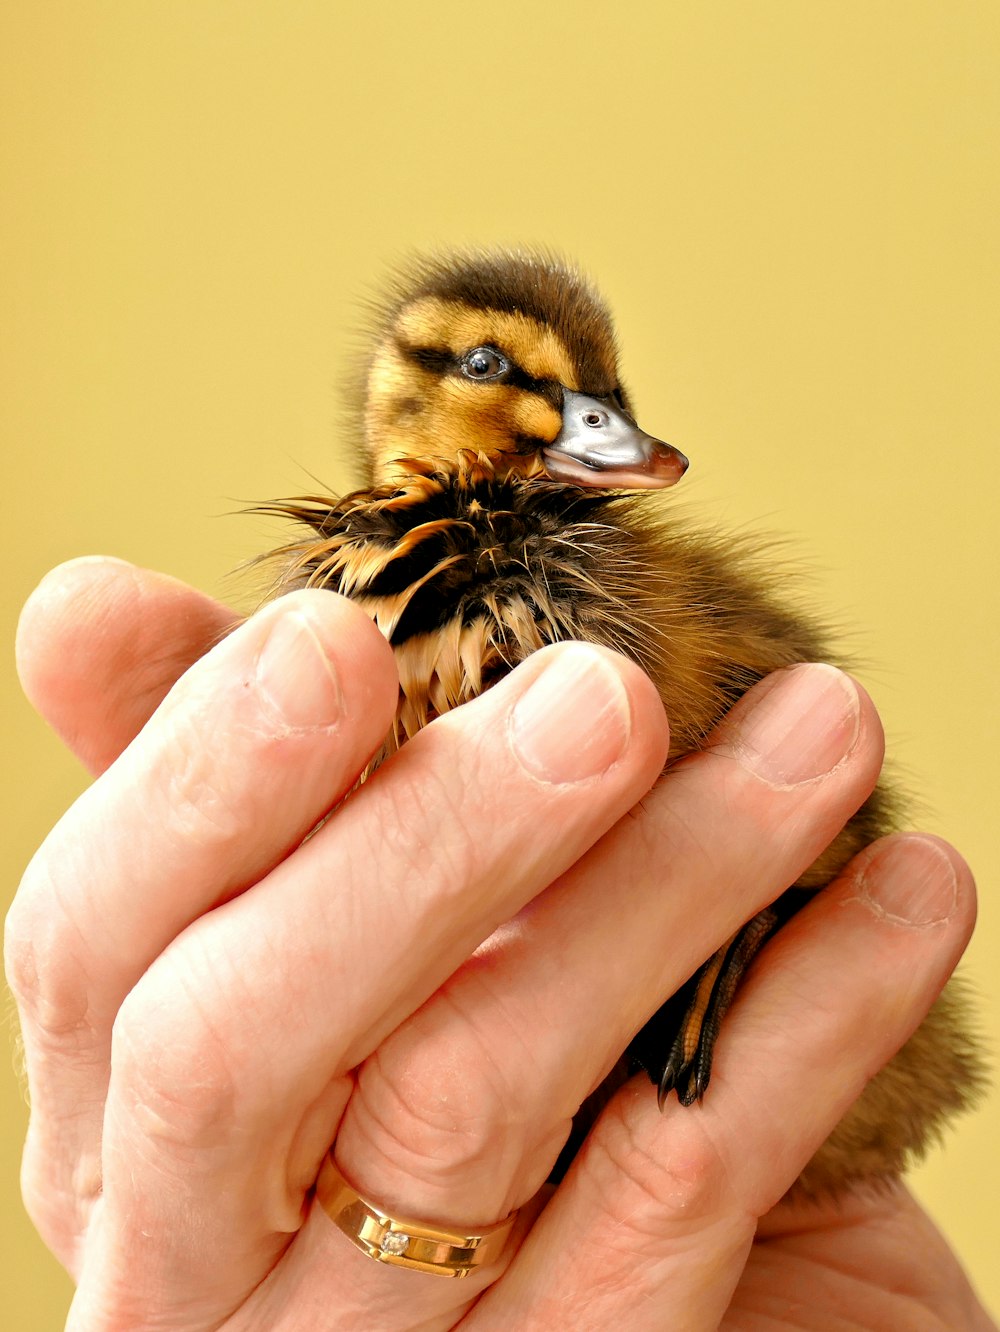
395, 1242
403, 1241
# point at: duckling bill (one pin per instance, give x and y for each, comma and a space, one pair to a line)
600, 445
507, 508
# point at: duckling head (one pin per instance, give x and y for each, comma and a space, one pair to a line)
511, 356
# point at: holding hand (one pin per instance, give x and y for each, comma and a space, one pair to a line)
433, 982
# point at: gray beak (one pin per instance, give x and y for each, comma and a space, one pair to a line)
600, 446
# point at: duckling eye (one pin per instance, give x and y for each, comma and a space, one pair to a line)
483, 363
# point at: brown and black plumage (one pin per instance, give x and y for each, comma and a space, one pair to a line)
509, 508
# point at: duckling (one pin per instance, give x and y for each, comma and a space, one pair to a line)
510, 505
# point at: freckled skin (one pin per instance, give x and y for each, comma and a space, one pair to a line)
469, 557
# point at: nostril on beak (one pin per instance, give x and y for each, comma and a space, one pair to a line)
593, 419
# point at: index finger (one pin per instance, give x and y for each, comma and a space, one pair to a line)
101, 642
258, 740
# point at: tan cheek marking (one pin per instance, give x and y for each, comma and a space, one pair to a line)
535, 347
476, 422
531, 415
496, 413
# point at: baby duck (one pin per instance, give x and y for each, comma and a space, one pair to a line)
505, 512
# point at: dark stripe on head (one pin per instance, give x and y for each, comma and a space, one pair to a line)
537, 285
440, 361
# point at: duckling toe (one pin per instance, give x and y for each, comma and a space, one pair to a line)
677, 1045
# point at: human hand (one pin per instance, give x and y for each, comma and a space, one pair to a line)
197, 989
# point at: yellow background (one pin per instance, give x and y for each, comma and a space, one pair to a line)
792, 207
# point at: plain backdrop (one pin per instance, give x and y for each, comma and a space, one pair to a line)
791, 206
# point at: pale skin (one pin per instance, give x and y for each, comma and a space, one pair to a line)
207, 1003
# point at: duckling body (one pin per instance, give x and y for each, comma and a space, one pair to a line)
500, 440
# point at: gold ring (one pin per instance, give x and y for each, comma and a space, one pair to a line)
402, 1241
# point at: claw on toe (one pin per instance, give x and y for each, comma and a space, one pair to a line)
695, 1014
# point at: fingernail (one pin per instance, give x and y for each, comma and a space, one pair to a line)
574, 720
911, 881
297, 681
802, 722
